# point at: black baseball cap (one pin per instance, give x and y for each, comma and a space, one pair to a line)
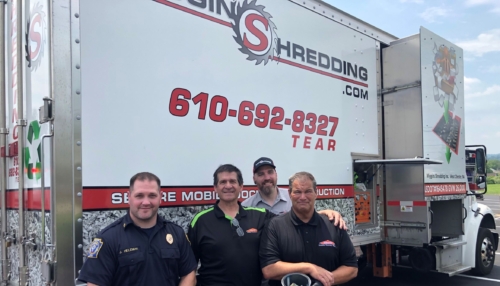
262, 161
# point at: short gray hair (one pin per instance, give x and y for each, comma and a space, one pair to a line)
301, 175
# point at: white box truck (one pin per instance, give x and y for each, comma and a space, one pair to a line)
94, 91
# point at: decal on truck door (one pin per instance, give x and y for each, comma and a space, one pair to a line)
446, 69
442, 115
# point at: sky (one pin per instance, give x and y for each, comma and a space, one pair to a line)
474, 26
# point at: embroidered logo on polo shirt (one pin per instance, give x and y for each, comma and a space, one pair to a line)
94, 248
252, 230
327, 243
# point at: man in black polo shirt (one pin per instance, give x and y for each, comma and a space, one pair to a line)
140, 249
305, 242
226, 237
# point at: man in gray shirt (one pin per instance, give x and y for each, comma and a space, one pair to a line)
275, 199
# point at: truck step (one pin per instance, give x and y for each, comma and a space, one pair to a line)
447, 244
455, 269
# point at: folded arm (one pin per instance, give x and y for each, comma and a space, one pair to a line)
343, 274
279, 269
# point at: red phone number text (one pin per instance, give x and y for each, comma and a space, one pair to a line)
260, 115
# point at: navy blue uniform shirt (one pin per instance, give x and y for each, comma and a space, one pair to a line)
123, 254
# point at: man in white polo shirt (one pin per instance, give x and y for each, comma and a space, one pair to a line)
275, 199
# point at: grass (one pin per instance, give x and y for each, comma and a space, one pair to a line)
493, 189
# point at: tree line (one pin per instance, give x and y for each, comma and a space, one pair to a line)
495, 165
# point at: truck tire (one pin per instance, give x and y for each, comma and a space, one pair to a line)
485, 252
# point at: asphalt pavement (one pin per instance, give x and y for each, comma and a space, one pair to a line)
404, 276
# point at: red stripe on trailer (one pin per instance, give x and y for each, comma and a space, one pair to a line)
407, 203
32, 199
419, 203
193, 12
102, 198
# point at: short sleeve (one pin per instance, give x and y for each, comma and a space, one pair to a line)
100, 265
187, 262
269, 248
347, 252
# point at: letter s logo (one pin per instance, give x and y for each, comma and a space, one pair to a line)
35, 36
254, 32
250, 25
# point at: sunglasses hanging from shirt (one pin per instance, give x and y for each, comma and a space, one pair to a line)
239, 230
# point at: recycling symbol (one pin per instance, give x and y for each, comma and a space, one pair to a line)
33, 170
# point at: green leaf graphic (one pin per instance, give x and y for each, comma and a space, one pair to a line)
27, 156
448, 154
33, 168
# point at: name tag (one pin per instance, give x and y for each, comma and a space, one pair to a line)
127, 250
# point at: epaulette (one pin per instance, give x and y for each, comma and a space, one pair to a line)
111, 225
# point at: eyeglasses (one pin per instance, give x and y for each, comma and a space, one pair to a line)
239, 230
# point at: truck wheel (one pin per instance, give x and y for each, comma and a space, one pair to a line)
485, 252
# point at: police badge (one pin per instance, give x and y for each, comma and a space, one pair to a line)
94, 248
170, 238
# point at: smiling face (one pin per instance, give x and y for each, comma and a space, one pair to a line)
228, 187
265, 178
303, 196
144, 201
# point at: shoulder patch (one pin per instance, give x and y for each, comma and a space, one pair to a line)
197, 216
94, 248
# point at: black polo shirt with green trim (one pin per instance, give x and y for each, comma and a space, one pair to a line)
228, 259
318, 241
123, 254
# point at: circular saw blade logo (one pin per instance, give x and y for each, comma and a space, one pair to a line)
32, 152
255, 32
36, 36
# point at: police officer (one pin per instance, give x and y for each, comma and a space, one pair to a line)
225, 238
140, 248
305, 242
274, 199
